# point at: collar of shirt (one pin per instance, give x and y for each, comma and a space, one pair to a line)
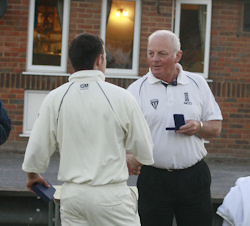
181, 79
87, 75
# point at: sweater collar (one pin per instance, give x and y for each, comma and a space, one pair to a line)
87, 75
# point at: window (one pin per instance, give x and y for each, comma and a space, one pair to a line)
192, 25
32, 102
48, 36
120, 30
246, 17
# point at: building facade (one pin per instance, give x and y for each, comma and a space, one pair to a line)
215, 37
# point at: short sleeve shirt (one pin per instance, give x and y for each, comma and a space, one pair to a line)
191, 97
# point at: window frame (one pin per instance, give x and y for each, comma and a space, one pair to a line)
65, 32
208, 3
124, 73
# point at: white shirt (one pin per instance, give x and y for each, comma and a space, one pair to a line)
235, 209
92, 123
191, 97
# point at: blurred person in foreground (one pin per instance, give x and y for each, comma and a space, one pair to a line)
178, 183
5, 124
92, 123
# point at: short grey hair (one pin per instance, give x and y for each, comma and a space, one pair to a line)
174, 37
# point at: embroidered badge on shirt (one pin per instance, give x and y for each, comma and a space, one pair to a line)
154, 103
187, 99
84, 86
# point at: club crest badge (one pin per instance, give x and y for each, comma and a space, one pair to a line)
154, 103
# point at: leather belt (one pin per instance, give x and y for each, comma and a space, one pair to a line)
173, 170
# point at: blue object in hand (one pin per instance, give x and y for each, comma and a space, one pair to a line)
46, 194
178, 121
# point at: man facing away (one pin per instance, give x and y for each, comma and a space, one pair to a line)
92, 123
178, 183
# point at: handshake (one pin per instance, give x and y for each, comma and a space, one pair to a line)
134, 167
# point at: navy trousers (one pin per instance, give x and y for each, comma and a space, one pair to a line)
184, 194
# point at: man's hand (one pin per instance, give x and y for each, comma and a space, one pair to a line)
210, 129
134, 167
190, 128
35, 178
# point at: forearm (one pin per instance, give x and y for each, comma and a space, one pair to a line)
211, 129
206, 129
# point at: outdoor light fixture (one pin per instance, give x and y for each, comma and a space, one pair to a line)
123, 12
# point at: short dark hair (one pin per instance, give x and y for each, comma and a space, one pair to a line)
83, 51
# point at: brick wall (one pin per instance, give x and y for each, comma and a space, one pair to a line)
230, 71
13, 38
229, 64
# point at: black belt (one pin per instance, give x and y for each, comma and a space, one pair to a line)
174, 170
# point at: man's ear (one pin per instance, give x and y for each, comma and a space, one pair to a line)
98, 60
178, 56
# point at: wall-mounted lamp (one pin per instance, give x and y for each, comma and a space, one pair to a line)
123, 12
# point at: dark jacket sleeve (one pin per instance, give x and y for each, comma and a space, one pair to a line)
5, 124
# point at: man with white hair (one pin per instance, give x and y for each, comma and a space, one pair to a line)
178, 183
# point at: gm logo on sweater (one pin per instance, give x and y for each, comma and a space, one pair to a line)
84, 86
